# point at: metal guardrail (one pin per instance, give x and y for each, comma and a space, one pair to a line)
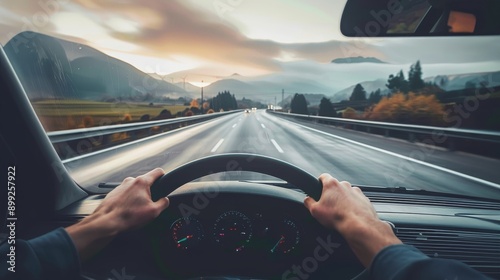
412, 130
93, 132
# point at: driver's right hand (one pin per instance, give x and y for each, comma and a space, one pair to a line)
347, 210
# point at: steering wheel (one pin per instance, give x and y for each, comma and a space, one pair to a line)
236, 162
239, 162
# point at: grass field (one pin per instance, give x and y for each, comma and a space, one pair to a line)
70, 114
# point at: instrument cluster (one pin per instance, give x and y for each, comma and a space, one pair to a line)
235, 231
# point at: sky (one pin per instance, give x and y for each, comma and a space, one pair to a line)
211, 39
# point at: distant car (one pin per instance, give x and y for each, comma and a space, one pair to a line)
254, 109
247, 111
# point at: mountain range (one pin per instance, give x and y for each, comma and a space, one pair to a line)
49, 67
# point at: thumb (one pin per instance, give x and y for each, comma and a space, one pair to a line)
308, 202
162, 204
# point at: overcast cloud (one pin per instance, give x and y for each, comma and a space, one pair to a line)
171, 29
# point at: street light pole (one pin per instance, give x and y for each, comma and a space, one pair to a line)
201, 97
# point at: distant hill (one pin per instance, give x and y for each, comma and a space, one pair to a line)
359, 59
312, 99
191, 90
369, 86
457, 82
49, 67
232, 85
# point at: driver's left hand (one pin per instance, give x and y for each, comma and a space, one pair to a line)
128, 206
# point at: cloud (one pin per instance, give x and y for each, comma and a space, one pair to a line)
173, 28
463, 49
181, 29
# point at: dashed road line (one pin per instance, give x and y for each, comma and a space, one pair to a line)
217, 145
277, 146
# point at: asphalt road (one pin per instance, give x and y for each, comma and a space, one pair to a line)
357, 157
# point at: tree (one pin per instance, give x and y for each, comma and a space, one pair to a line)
470, 88
358, 94
375, 97
397, 83
415, 77
326, 108
225, 101
194, 103
411, 108
299, 105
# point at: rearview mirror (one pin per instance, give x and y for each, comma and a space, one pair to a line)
393, 18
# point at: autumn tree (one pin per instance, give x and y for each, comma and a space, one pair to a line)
349, 113
194, 103
299, 104
326, 108
412, 108
358, 94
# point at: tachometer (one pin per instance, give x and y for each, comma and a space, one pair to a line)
187, 233
233, 230
284, 237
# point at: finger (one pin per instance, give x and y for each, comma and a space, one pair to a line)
345, 184
308, 202
162, 204
152, 175
128, 179
329, 183
358, 190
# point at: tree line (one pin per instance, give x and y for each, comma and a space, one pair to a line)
409, 101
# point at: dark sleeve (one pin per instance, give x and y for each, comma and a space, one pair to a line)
407, 262
50, 256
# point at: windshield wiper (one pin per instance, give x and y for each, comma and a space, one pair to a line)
397, 189
110, 185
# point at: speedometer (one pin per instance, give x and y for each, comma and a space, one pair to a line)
233, 230
186, 233
285, 237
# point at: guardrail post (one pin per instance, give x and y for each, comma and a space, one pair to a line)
411, 137
451, 144
386, 134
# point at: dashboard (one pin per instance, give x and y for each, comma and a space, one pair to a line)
251, 234
251, 230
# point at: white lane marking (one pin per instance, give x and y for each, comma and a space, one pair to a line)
234, 125
277, 146
217, 145
263, 126
472, 178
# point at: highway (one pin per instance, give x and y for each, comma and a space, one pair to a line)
360, 158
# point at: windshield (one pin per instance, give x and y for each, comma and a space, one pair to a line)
122, 87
